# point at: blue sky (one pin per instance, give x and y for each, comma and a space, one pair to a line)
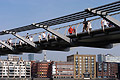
17, 13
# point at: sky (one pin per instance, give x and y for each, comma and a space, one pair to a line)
18, 13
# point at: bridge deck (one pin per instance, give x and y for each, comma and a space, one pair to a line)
96, 38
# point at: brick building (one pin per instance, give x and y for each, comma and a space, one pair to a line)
42, 69
84, 66
63, 69
107, 70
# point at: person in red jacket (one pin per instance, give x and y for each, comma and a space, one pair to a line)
70, 30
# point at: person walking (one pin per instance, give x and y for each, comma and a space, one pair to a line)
10, 42
48, 36
39, 37
31, 39
85, 25
43, 35
74, 30
110, 24
27, 36
70, 30
104, 24
89, 27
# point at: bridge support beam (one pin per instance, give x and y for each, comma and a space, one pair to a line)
6, 45
67, 39
22, 38
105, 16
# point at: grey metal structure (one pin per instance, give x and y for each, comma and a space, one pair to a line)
22, 38
6, 45
65, 38
97, 39
105, 16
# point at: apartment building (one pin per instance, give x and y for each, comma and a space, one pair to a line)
14, 68
107, 70
84, 66
42, 69
63, 69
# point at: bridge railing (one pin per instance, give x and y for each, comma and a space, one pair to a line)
64, 30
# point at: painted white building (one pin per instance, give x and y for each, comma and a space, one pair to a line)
108, 58
15, 69
111, 58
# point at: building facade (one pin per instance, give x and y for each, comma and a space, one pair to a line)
15, 69
101, 58
42, 69
63, 69
107, 70
108, 58
84, 66
12, 58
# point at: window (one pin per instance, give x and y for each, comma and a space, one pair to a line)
80, 76
99, 77
92, 58
105, 76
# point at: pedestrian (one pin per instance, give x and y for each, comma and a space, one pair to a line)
52, 36
48, 36
43, 35
70, 30
104, 24
31, 39
74, 30
89, 27
110, 24
27, 36
39, 37
85, 25
10, 42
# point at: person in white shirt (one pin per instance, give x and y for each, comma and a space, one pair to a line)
10, 42
31, 39
89, 26
104, 24
39, 37
43, 35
